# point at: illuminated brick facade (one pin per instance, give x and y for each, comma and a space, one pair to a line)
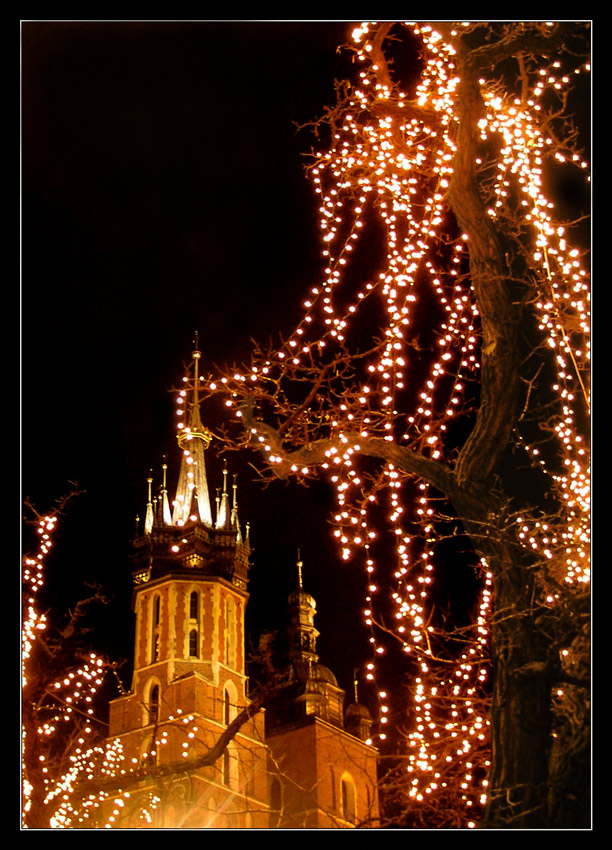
188, 685
293, 765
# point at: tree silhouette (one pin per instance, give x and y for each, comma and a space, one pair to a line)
62, 738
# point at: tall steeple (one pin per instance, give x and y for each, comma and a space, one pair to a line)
192, 498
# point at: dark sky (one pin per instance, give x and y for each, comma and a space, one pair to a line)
162, 193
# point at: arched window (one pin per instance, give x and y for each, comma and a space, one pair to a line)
155, 628
154, 704
151, 702
230, 702
155, 652
193, 644
348, 798
230, 632
193, 612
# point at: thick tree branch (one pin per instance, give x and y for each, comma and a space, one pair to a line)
286, 462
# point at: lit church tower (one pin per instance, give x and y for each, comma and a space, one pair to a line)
323, 766
189, 682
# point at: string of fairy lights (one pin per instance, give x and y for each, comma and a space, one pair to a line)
387, 163
66, 710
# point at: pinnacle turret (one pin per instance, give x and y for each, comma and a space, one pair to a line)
223, 509
149, 515
234, 519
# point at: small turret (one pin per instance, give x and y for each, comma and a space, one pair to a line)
357, 718
223, 510
311, 689
149, 516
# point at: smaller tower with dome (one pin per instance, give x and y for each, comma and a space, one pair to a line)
323, 766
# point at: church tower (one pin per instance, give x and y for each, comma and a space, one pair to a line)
190, 594
323, 767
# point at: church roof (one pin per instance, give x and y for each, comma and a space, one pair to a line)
357, 710
299, 597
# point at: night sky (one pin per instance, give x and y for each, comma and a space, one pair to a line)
163, 193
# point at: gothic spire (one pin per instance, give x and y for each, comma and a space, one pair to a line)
193, 439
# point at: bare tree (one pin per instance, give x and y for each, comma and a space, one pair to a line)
439, 375
61, 677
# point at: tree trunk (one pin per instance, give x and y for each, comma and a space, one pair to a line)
521, 708
533, 784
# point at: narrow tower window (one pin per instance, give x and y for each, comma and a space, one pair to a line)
227, 708
194, 606
155, 628
193, 644
230, 702
154, 704
230, 632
